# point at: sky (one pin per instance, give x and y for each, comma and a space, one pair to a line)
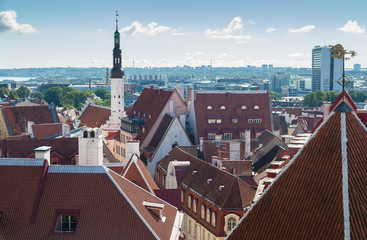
162, 33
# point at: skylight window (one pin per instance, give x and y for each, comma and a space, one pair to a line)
209, 108
256, 107
222, 107
243, 107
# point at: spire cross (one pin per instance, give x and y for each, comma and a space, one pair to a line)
117, 14
338, 52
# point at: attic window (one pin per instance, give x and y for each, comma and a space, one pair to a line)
209, 108
221, 188
234, 120
257, 121
250, 121
156, 208
66, 221
222, 107
243, 107
256, 107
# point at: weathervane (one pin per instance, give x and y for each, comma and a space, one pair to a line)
337, 51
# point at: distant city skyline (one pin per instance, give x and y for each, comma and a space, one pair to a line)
168, 33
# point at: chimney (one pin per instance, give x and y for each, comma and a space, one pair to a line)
151, 87
201, 144
171, 107
132, 147
30, 128
247, 143
228, 95
326, 106
43, 152
65, 130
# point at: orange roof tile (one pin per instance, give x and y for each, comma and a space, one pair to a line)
306, 201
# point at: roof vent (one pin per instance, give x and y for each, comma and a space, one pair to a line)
156, 208
221, 188
209, 180
194, 173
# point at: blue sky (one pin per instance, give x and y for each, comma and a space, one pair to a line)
76, 33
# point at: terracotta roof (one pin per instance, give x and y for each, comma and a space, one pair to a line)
17, 117
172, 196
109, 206
265, 160
22, 148
233, 102
95, 115
235, 194
307, 123
148, 106
238, 167
305, 201
296, 111
46, 130
136, 172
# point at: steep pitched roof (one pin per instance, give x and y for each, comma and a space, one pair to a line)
263, 139
136, 172
306, 199
235, 194
265, 160
233, 102
161, 130
148, 106
46, 129
17, 117
109, 206
66, 147
95, 115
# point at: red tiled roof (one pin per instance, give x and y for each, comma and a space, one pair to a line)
150, 103
22, 148
110, 207
307, 123
296, 111
305, 201
95, 116
46, 129
233, 103
136, 172
172, 196
236, 194
17, 117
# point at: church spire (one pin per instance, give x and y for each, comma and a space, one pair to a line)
117, 21
116, 71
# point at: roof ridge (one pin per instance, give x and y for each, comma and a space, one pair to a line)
107, 172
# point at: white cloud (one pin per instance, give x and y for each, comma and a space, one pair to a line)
101, 30
227, 33
306, 28
298, 55
8, 23
151, 29
270, 30
352, 27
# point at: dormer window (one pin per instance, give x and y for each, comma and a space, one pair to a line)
66, 221
257, 120
156, 208
223, 108
227, 135
256, 107
209, 108
250, 121
211, 120
211, 135
243, 107
234, 120
219, 120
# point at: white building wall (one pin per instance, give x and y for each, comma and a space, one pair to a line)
117, 99
175, 134
91, 148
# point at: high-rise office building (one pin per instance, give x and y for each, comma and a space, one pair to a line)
325, 70
357, 67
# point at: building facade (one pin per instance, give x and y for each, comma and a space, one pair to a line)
325, 70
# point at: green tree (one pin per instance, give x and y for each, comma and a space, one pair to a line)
274, 96
53, 95
319, 98
101, 92
4, 92
23, 92
37, 95
309, 100
331, 96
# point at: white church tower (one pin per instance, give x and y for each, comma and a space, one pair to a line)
117, 86
90, 147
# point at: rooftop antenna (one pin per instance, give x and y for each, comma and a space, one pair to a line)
337, 51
